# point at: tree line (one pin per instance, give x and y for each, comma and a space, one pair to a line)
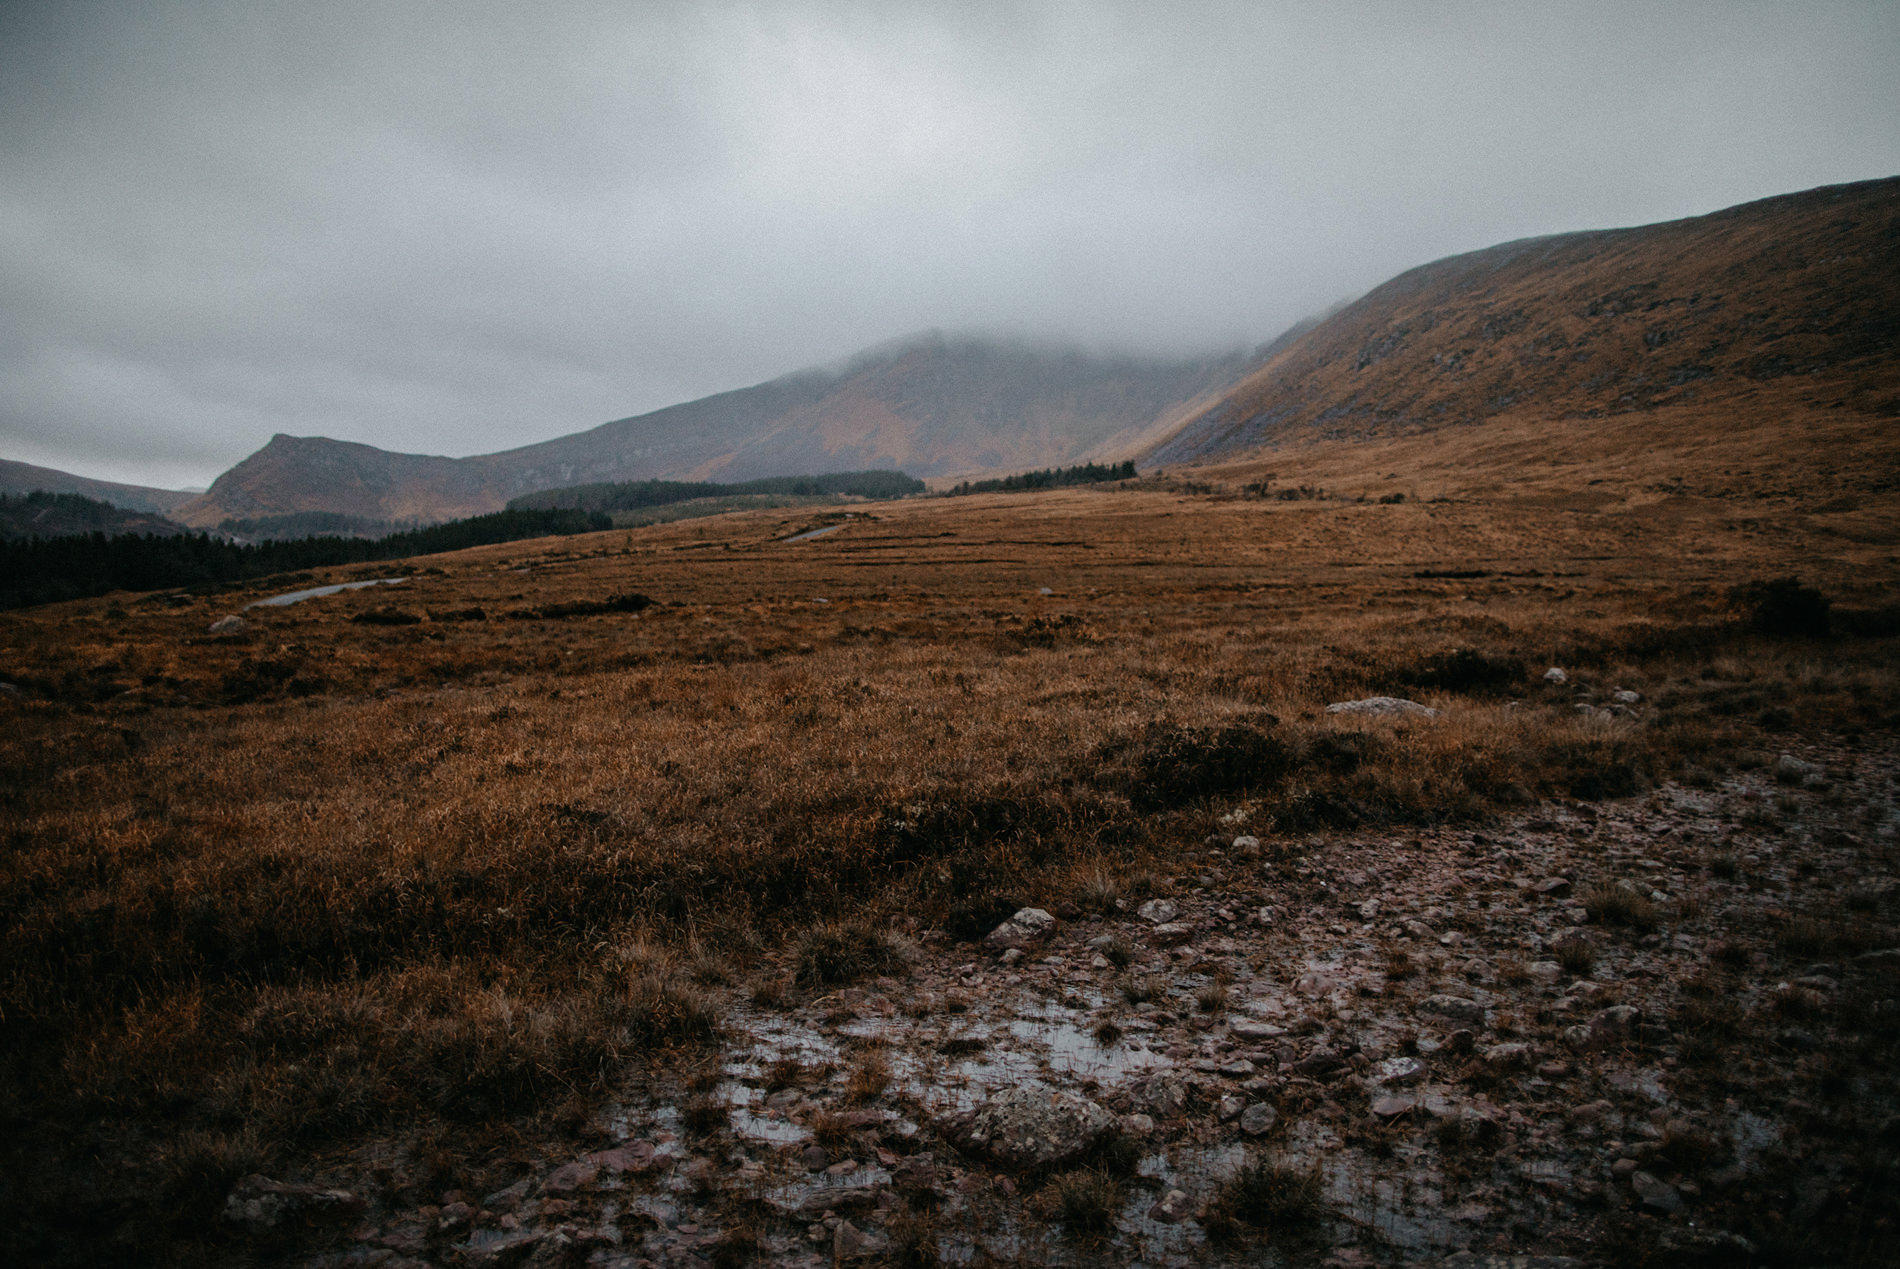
46, 570
1048, 478
635, 495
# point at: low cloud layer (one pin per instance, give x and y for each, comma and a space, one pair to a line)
460, 228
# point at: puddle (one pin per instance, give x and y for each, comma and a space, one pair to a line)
809, 534
318, 592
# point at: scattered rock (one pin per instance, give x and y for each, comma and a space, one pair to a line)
1173, 933
1552, 887
1399, 1071
1166, 1094
1654, 1192
1383, 706
1035, 1128
1452, 1009
1172, 1209
1393, 1107
1157, 912
260, 1205
569, 1178
1508, 1057
1258, 1119
1555, 676
1249, 1029
1789, 769
1029, 925
1624, 696
635, 1156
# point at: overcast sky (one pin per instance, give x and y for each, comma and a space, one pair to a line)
460, 227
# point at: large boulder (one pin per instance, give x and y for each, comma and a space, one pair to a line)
1029, 1128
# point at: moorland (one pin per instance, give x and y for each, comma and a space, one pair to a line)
414, 896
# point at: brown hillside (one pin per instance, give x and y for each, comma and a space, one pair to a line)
1788, 306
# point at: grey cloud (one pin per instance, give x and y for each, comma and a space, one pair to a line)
456, 229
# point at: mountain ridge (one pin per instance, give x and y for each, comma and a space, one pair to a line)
932, 405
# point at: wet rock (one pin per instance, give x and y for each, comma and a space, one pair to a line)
1605, 1029
917, 1175
1789, 769
1173, 933
569, 1178
259, 1205
1258, 1119
1655, 1193
1399, 1071
1383, 707
1029, 925
851, 1243
635, 1156
1452, 1009
1166, 1094
1157, 912
511, 1248
1508, 1057
1172, 1209
1035, 1128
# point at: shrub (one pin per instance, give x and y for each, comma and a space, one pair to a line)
1087, 1201
1280, 1198
843, 952
1783, 608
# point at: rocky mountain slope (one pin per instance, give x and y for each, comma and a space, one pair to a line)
933, 405
1788, 304
25, 478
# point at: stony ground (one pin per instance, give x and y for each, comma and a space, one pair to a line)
1662, 1027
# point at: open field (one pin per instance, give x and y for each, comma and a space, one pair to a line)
416, 892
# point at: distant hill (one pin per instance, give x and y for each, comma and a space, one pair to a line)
57, 515
24, 478
1752, 316
933, 405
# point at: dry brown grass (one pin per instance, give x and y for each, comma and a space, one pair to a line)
329, 880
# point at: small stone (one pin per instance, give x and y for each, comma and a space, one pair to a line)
1230, 1108
1393, 1107
230, 625
851, 1243
569, 1177
1624, 696
1157, 912
1553, 1070
1173, 933
1789, 769
1258, 1119
1399, 1071
1171, 1210
1452, 1008
1011, 955
1547, 972
1101, 942
1166, 1094
1027, 926
635, 1156
815, 1158
1556, 677
1655, 1193
1507, 1057
1239, 1069
1383, 707
1137, 1124
1552, 887
1246, 847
